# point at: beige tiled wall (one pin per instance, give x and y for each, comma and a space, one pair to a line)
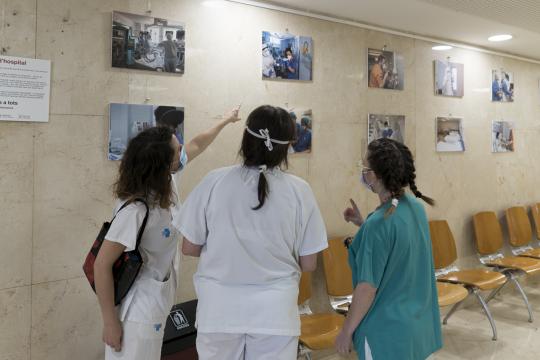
55, 181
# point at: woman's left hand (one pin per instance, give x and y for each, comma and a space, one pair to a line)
343, 343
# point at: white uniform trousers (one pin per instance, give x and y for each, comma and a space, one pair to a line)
219, 346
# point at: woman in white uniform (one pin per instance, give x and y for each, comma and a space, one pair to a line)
255, 228
134, 329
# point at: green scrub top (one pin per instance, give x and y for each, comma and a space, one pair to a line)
393, 254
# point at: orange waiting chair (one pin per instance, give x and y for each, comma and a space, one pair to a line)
520, 230
450, 294
535, 211
318, 331
474, 280
489, 243
338, 275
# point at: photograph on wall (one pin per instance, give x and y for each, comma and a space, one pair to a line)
286, 56
304, 124
127, 120
385, 70
148, 43
386, 126
450, 134
449, 78
502, 86
502, 136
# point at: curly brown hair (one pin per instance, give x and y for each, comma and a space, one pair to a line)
393, 163
145, 170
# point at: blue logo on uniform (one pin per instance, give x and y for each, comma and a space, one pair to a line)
166, 232
157, 327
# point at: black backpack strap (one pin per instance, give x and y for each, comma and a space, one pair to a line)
143, 225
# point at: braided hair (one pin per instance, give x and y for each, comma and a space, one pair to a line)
392, 162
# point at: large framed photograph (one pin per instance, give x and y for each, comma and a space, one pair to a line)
502, 137
502, 86
385, 69
286, 56
127, 120
450, 134
449, 78
386, 126
304, 127
148, 43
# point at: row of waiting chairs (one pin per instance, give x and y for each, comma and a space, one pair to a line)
454, 285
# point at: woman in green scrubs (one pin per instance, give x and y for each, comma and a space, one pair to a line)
394, 314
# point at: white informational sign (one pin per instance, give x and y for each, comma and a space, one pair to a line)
25, 86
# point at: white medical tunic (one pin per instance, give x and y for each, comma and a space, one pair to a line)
247, 278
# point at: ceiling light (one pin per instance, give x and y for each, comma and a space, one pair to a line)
502, 37
441, 47
214, 3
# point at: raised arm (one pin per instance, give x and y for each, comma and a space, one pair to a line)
200, 142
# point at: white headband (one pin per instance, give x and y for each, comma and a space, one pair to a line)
264, 134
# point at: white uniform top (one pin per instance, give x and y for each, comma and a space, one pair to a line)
152, 294
248, 274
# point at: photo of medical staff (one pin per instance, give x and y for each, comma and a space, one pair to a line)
502, 137
303, 119
127, 120
386, 126
449, 78
450, 134
286, 56
148, 43
385, 70
502, 86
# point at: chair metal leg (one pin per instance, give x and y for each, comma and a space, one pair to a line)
494, 292
303, 352
524, 296
476, 293
451, 312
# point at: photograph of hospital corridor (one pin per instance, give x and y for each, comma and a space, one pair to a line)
147, 43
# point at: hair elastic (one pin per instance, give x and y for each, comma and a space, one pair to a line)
264, 134
395, 202
262, 169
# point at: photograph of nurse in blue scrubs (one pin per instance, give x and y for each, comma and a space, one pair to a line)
286, 56
303, 120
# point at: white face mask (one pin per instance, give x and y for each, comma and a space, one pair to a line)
364, 182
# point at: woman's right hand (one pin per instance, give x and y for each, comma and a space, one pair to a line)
112, 335
352, 214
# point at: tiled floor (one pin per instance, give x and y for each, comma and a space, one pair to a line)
468, 334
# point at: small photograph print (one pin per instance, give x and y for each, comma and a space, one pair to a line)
450, 134
502, 137
449, 78
304, 125
148, 43
286, 56
127, 120
502, 86
385, 70
386, 126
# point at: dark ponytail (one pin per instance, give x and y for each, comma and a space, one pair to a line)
393, 163
410, 172
262, 190
254, 151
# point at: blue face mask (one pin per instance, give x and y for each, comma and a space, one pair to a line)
183, 160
